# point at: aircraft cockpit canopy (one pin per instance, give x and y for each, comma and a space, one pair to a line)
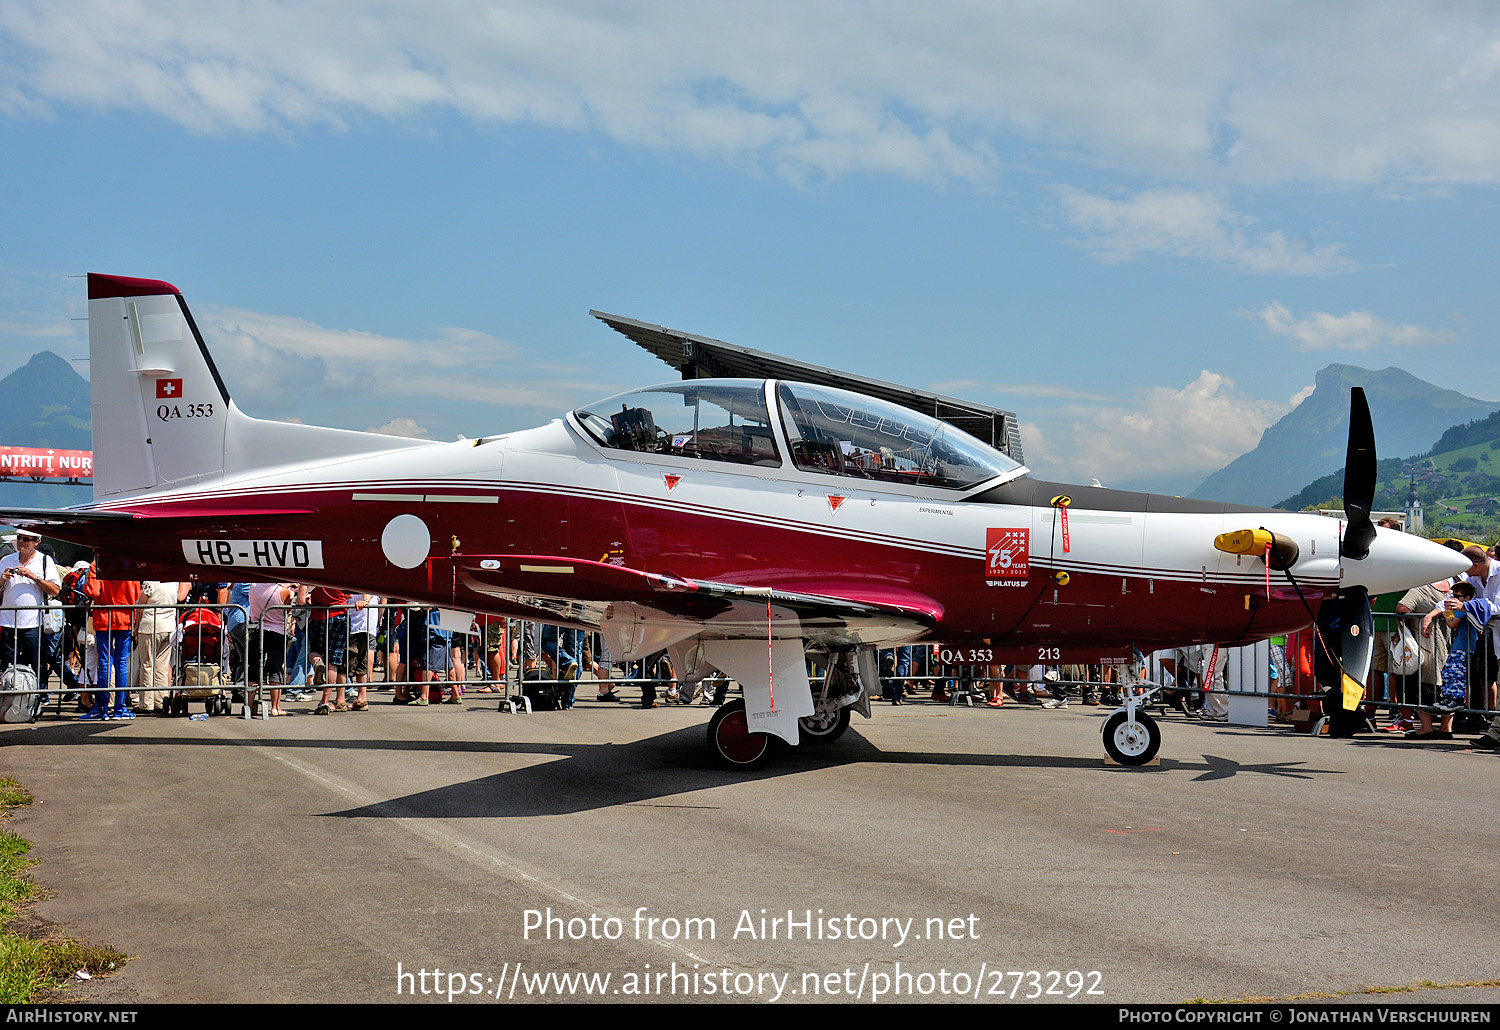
850, 434
829, 431
722, 420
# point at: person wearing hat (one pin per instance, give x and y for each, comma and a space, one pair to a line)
28, 578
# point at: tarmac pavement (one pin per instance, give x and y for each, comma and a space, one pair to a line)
408, 854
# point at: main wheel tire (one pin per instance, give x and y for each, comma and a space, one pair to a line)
823, 728
1131, 743
732, 743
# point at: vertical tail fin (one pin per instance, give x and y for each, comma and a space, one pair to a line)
162, 416
160, 411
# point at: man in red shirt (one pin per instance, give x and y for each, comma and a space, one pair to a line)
112, 629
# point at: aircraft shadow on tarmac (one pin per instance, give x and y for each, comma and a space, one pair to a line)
589, 777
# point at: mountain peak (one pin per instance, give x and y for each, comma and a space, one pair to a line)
46, 405
1311, 440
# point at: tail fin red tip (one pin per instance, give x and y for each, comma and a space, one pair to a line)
101, 286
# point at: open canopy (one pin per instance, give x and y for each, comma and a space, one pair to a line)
822, 429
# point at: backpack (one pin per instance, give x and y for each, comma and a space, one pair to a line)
19, 707
74, 601
543, 696
204, 593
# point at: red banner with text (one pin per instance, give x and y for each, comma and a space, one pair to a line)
43, 463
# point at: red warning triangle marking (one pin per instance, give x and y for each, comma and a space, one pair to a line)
834, 500
671, 480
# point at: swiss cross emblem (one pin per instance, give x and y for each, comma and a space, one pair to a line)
168, 388
834, 500
671, 480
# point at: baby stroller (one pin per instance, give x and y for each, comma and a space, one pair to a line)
200, 664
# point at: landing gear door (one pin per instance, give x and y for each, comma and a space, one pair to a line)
777, 692
867, 661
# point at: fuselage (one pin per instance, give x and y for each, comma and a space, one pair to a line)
1141, 571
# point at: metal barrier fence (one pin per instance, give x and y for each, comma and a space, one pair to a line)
408, 647
70, 652
1243, 677
64, 665
378, 638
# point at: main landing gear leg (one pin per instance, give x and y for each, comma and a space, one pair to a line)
831, 705
735, 745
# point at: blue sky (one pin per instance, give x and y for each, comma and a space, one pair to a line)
1143, 227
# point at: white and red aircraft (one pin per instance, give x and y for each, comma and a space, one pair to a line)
735, 522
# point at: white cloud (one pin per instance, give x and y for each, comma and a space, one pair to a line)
1357, 330
1340, 91
1180, 223
401, 427
49, 332
42, 312
352, 348
1161, 433
277, 366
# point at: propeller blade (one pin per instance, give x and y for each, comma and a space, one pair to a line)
1359, 479
1341, 660
1357, 645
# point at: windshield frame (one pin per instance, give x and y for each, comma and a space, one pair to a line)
588, 421
746, 439
855, 437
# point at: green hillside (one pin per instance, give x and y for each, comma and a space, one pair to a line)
1457, 481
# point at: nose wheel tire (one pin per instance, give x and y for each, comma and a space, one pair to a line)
1131, 741
730, 739
823, 727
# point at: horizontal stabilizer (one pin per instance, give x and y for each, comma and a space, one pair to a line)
44, 518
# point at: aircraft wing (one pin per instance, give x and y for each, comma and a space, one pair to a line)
54, 518
729, 610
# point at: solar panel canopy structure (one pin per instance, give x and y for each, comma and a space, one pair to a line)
701, 357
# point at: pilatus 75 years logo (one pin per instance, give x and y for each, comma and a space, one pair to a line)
1006, 557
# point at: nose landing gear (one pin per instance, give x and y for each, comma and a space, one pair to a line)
1131, 738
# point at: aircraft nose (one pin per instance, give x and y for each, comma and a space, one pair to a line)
1399, 561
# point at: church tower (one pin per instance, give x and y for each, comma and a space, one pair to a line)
1413, 509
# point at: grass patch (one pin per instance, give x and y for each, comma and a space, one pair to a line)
13, 795
35, 959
